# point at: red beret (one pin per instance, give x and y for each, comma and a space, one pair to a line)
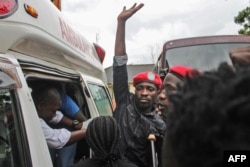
147, 77
181, 71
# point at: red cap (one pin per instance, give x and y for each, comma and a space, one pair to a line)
147, 77
181, 71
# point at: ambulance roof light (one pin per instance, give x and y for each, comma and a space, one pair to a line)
100, 52
57, 3
7, 7
30, 10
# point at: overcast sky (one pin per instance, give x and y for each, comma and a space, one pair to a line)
158, 21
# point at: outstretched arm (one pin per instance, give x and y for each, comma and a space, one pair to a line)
120, 46
240, 55
76, 136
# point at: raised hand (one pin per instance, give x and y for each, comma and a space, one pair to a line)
127, 13
240, 55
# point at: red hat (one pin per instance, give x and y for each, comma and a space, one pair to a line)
181, 71
147, 77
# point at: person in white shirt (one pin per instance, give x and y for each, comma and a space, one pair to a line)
47, 103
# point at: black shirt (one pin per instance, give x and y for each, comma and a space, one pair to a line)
100, 163
135, 127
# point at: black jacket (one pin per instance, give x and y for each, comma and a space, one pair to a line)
99, 163
135, 127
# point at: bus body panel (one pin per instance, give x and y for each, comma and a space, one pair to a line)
203, 53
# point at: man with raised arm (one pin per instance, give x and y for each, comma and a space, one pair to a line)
135, 113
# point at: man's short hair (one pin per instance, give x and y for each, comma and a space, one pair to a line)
45, 94
210, 114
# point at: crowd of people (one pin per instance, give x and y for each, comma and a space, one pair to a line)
194, 116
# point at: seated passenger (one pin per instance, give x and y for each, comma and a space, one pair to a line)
48, 101
65, 157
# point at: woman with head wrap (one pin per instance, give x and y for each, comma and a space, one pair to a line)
102, 136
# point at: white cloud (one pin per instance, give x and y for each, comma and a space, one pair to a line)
156, 22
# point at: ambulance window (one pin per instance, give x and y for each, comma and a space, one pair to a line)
10, 146
101, 99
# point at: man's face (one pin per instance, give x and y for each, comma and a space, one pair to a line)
164, 104
145, 95
48, 111
164, 101
170, 83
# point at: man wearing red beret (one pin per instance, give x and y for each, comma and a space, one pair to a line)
135, 112
175, 77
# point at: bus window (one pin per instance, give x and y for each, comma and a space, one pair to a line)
101, 99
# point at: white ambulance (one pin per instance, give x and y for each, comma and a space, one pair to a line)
39, 46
